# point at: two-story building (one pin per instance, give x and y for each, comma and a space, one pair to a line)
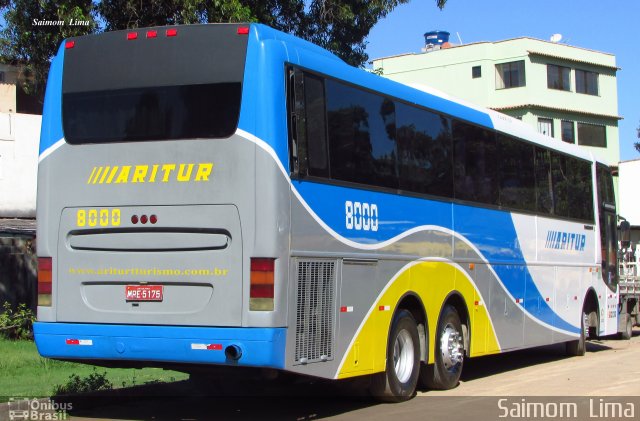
566, 92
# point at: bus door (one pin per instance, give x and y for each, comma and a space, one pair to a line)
608, 245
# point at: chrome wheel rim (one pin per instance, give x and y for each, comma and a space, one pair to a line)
451, 348
403, 356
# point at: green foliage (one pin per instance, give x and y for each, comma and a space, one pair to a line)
24, 42
92, 383
18, 323
637, 144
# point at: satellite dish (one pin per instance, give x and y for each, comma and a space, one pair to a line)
555, 38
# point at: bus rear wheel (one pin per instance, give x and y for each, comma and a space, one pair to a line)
449, 353
398, 382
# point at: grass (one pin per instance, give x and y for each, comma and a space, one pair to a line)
24, 373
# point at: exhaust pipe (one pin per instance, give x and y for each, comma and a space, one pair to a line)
233, 352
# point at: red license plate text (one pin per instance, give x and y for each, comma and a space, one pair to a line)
143, 292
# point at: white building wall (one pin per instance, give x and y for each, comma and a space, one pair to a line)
629, 194
19, 140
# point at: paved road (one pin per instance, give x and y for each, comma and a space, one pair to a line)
606, 379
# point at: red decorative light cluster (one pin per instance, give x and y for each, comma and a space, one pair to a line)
152, 33
143, 219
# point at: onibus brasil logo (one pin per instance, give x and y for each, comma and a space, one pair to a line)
38, 409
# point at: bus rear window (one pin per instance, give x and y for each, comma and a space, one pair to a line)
152, 113
121, 88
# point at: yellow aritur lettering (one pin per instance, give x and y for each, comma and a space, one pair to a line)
114, 170
91, 176
154, 171
139, 173
123, 177
167, 168
97, 175
104, 174
204, 171
182, 177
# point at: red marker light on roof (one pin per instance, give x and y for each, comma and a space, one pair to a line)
132, 35
243, 30
152, 34
69, 44
172, 32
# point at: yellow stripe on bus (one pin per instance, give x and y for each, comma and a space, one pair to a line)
432, 282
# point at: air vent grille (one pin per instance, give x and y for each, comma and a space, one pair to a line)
315, 311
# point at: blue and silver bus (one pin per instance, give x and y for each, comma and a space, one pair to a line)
232, 196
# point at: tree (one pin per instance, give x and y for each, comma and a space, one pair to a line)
31, 45
637, 144
341, 26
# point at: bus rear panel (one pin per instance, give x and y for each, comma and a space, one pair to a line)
148, 202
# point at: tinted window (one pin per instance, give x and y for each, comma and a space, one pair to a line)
561, 184
542, 168
157, 113
315, 125
605, 186
581, 191
592, 135
475, 164
517, 180
586, 82
568, 134
476, 72
558, 77
361, 127
510, 75
424, 151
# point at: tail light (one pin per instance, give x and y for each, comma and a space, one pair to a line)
44, 281
262, 284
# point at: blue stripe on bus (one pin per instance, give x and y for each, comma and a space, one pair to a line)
51, 130
492, 232
261, 347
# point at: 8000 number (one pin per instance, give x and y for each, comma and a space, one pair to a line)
361, 216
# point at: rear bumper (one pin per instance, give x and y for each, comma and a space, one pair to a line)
261, 347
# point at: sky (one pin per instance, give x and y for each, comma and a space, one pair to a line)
610, 26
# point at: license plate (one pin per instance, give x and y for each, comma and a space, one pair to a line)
143, 292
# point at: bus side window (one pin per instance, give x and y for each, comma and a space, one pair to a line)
475, 167
307, 124
316, 133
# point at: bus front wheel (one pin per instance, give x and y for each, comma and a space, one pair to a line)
398, 382
578, 347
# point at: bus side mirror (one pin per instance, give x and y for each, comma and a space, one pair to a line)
625, 234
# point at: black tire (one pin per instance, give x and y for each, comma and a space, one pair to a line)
594, 330
445, 372
578, 347
398, 382
627, 333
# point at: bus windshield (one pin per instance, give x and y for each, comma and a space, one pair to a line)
165, 85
